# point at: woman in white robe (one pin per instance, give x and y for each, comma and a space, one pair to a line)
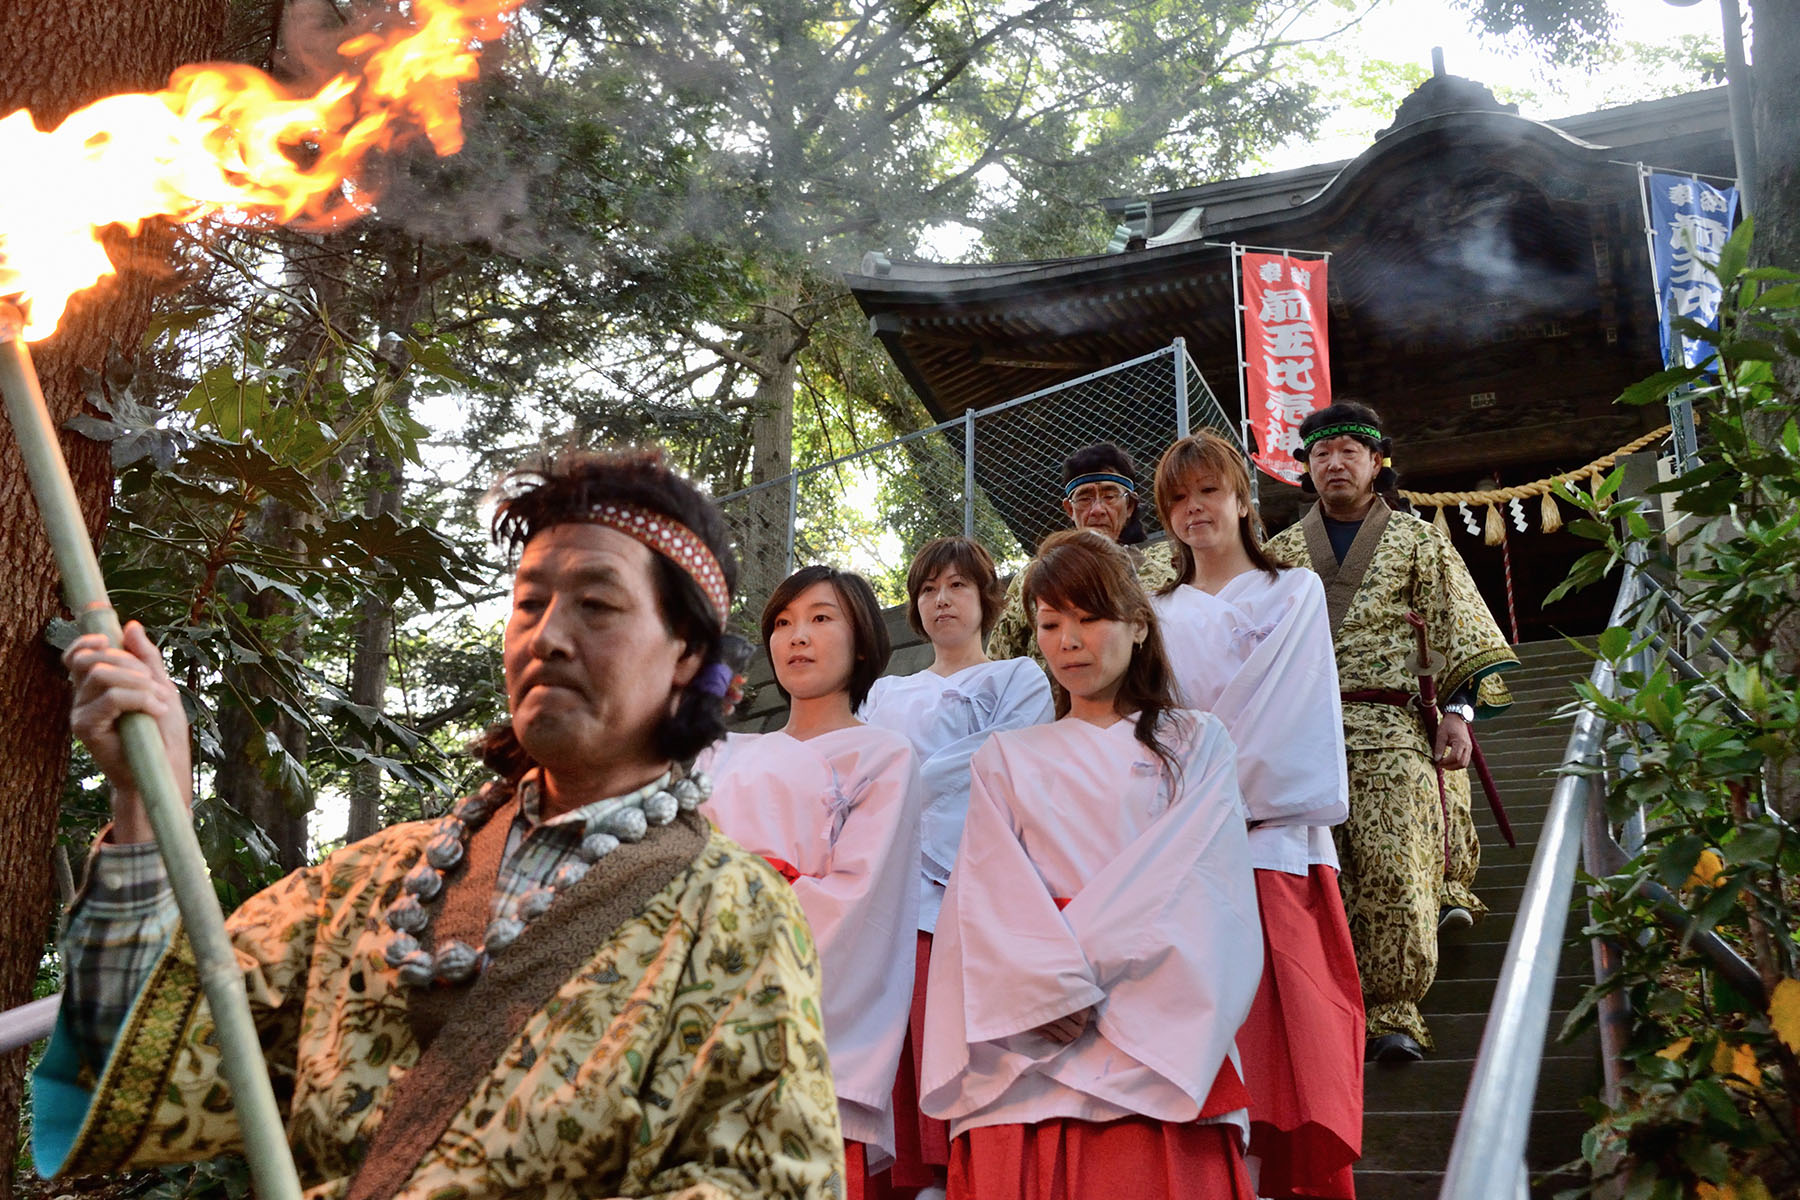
833, 804
947, 712
1251, 644
1099, 943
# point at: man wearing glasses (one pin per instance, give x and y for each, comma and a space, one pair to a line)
1099, 492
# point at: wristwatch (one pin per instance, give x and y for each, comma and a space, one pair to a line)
1465, 711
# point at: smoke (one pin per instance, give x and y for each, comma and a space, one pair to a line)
306, 53
481, 195
1485, 259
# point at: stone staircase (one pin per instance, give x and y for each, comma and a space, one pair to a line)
1411, 1111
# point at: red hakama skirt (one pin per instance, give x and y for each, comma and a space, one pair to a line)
1138, 1157
921, 1143
859, 1184
1063, 1159
1302, 1044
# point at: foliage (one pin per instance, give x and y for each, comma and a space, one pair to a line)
775, 145
1709, 757
1564, 30
187, 555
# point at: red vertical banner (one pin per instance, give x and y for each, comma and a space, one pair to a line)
1287, 369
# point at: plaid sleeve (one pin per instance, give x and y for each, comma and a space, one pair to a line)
117, 930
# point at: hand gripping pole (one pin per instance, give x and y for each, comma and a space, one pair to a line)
241, 1056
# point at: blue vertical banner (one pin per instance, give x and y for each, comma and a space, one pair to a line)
1690, 221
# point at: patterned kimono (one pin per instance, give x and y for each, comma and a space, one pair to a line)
683, 1056
1395, 871
1015, 633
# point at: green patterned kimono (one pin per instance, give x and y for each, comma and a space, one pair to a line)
684, 1058
1395, 873
1015, 633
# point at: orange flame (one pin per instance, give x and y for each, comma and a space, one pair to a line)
222, 139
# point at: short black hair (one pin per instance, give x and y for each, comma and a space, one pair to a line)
1352, 412
560, 489
870, 643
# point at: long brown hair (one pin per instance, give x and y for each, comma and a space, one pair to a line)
1085, 570
1196, 456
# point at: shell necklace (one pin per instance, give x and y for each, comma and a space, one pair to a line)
608, 823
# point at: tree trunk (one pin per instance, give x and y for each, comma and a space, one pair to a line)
764, 544
1775, 118
55, 56
241, 780
386, 483
370, 662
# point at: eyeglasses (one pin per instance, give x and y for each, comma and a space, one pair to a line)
1105, 493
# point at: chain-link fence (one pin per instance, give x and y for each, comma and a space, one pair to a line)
994, 475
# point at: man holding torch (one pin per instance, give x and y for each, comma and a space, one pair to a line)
568, 986
1408, 851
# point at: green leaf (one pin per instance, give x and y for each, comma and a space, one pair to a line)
1613, 642
1675, 861
1657, 387
1753, 843
1705, 1158
1713, 909
249, 467
1785, 295
259, 582
1736, 254
1704, 473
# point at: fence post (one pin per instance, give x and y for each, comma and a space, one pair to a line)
968, 473
1181, 396
793, 515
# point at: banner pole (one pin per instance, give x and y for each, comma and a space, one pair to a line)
1237, 307
1643, 174
241, 1058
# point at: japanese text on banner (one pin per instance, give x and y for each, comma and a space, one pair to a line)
1286, 360
1691, 220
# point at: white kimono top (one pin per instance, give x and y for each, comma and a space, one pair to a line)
1258, 656
947, 718
1161, 934
843, 809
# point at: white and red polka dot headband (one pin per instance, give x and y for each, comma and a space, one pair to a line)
674, 541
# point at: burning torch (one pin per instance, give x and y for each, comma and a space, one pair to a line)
226, 141
241, 1055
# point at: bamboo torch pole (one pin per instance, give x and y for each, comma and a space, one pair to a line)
241, 1057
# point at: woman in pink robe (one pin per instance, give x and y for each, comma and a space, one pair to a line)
1099, 944
833, 805
947, 711
1251, 644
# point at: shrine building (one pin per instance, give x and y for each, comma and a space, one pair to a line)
1490, 294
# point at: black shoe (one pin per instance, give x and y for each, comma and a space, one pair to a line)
1393, 1048
1453, 917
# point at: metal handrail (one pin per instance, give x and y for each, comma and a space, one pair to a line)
1487, 1159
